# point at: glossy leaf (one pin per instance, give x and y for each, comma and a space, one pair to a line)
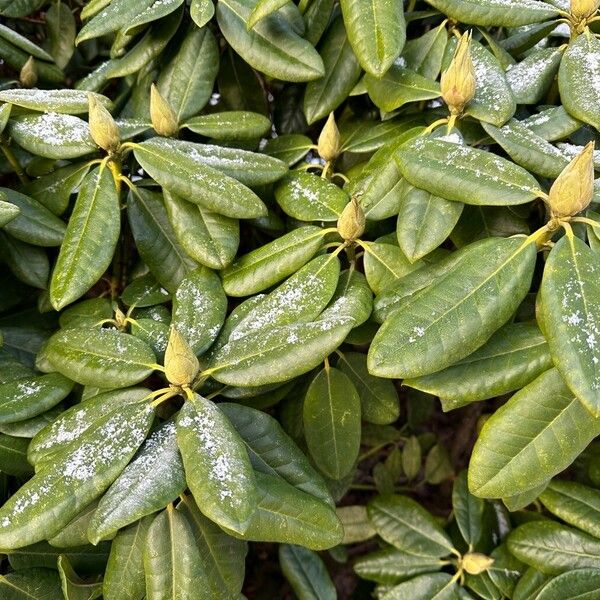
306, 573
468, 511
578, 583
230, 125
70, 102
437, 586
23, 584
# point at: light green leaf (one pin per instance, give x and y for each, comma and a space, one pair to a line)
342, 71
578, 76
308, 197
157, 10
90, 239
512, 358
64, 486
73, 587
199, 309
332, 422
239, 125
553, 548
578, 583
124, 576
202, 11
465, 174
376, 31
185, 169
100, 357
421, 337
52, 135
217, 467
265, 266
468, 511
272, 46
570, 296
116, 14
287, 515
306, 573
69, 102
74, 534
496, 12
424, 54
23, 584
263, 9
62, 29
575, 504
188, 79
402, 522
530, 79
399, 86
154, 478
535, 435
433, 586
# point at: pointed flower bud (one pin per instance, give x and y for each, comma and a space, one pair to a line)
28, 76
162, 115
458, 80
475, 563
181, 364
328, 145
572, 192
103, 129
582, 9
351, 223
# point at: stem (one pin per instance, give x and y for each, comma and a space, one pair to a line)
586, 221
14, 163
435, 124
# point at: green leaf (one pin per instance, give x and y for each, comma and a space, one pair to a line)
390, 566
385, 264
306, 573
468, 511
332, 422
530, 79
424, 54
199, 309
399, 86
28, 584
222, 555
34, 223
230, 125
217, 467
342, 72
52, 135
424, 222
530, 584
155, 11
124, 576
570, 296
70, 102
64, 486
90, 239
184, 168
287, 515
23, 43
172, 562
86, 558
8, 211
74, 533
496, 12
553, 548
528, 149
552, 123
62, 29
577, 79
73, 422
512, 358
364, 136
13, 456
403, 523
269, 264
202, 11
86, 314
188, 79
421, 337
154, 478
575, 504
272, 46
378, 397
100, 357
73, 587
263, 9
465, 174
535, 435
433, 586
578, 583
30, 396
28, 263
155, 239
290, 148
308, 197
115, 15
376, 31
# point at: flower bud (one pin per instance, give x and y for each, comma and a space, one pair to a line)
162, 115
475, 563
28, 76
582, 9
351, 223
458, 80
328, 145
103, 129
572, 192
181, 364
